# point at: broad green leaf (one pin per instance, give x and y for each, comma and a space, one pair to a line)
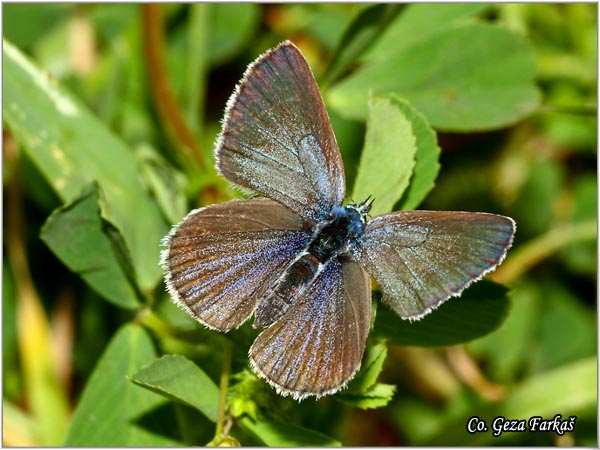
377, 396
71, 148
563, 319
111, 410
282, 434
167, 184
366, 27
388, 156
480, 310
350, 136
569, 390
508, 349
364, 391
473, 77
371, 367
535, 205
178, 378
111, 20
326, 23
36, 186
581, 257
419, 21
25, 23
586, 203
426, 157
77, 235
231, 27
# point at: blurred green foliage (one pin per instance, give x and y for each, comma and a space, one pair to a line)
95, 171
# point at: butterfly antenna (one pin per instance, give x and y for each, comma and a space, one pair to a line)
366, 205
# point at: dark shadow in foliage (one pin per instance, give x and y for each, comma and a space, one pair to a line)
480, 310
161, 421
365, 29
178, 422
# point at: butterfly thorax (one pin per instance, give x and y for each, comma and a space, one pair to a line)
332, 236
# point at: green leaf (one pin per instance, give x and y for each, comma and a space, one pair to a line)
388, 156
377, 396
364, 391
569, 390
508, 348
76, 234
563, 318
474, 77
426, 157
420, 21
480, 310
231, 27
535, 204
282, 434
167, 183
71, 148
371, 367
111, 409
366, 27
178, 378
26, 23
581, 257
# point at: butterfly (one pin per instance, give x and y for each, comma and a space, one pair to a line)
297, 258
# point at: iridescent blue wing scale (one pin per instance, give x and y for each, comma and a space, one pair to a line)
220, 258
317, 346
277, 140
422, 258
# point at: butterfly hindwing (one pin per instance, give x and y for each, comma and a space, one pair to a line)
422, 258
220, 258
317, 346
277, 140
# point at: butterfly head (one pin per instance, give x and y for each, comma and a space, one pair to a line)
357, 216
365, 206
361, 210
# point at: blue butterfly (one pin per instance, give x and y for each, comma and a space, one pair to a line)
300, 261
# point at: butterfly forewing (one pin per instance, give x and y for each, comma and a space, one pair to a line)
422, 258
277, 139
220, 258
317, 346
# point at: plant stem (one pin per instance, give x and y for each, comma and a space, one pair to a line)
581, 110
154, 41
223, 383
541, 247
197, 66
150, 320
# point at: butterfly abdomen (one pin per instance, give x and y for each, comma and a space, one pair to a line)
286, 289
330, 238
